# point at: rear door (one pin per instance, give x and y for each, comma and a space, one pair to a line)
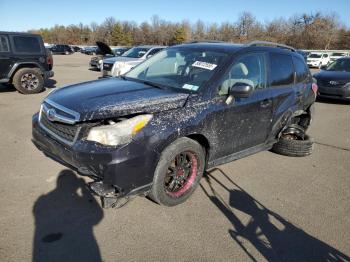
28, 48
5, 56
286, 95
302, 80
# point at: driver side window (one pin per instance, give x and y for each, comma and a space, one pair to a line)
247, 69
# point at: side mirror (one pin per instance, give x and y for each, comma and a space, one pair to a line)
149, 56
324, 67
241, 90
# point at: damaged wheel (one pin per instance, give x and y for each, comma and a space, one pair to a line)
294, 142
178, 172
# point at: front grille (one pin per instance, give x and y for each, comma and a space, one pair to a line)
331, 83
107, 67
62, 130
59, 122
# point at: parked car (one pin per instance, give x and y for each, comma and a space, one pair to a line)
104, 51
61, 50
336, 55
76, 48
24, 61
91, 50
318, 60
117, 66
188, 108
334, 80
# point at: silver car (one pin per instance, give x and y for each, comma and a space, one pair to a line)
116, 66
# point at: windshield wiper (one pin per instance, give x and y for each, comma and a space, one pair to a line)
152, 84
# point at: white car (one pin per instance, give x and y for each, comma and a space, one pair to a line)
116, 66
318, 60
335, 56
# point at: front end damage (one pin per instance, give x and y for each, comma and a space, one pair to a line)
118, 173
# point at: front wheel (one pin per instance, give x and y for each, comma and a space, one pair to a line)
178, 172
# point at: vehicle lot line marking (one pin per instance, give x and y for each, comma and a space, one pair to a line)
335, 147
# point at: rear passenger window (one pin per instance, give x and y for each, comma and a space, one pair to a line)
4, 44
26, 44
302, 72
281, 70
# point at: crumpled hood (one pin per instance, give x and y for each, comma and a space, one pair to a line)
113, 97
112, 60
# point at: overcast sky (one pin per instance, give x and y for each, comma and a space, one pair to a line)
20, 15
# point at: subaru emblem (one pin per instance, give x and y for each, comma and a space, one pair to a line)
51, 114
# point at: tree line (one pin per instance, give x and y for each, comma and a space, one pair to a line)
304, 31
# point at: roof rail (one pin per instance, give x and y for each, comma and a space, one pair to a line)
203, 41
265, 43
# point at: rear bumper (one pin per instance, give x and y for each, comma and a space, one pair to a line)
342, 93
128, 168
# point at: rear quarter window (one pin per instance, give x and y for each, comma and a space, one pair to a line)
281, 70
26, 44
4, 44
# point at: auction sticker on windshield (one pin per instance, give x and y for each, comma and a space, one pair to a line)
190, 87
204, 65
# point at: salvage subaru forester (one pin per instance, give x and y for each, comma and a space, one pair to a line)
155, 130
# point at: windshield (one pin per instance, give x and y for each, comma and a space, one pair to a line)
179, 68
340, 65
136, 52
119, 51
314, 56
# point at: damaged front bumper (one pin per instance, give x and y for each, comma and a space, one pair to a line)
118, 172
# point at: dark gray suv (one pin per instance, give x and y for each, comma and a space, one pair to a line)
24, 61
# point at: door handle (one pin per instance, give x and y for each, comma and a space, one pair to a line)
265, 103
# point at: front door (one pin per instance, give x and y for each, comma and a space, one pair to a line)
245, 122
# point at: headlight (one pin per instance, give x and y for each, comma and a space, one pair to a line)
118, 133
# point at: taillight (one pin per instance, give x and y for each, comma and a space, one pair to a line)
49, 60
314, 88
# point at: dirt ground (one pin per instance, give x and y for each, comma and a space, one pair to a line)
263, 207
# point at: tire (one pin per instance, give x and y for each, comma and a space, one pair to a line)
294, 148
167, 188
28, 81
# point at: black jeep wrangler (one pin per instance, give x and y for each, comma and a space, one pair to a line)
24, 62
190, 107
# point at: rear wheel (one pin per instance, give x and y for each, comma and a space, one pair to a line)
178, 172
28, 80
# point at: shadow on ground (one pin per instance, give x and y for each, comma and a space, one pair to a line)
64, 220
50, 83
5, 88
271, 235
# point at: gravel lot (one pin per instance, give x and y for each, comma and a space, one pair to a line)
257, 208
